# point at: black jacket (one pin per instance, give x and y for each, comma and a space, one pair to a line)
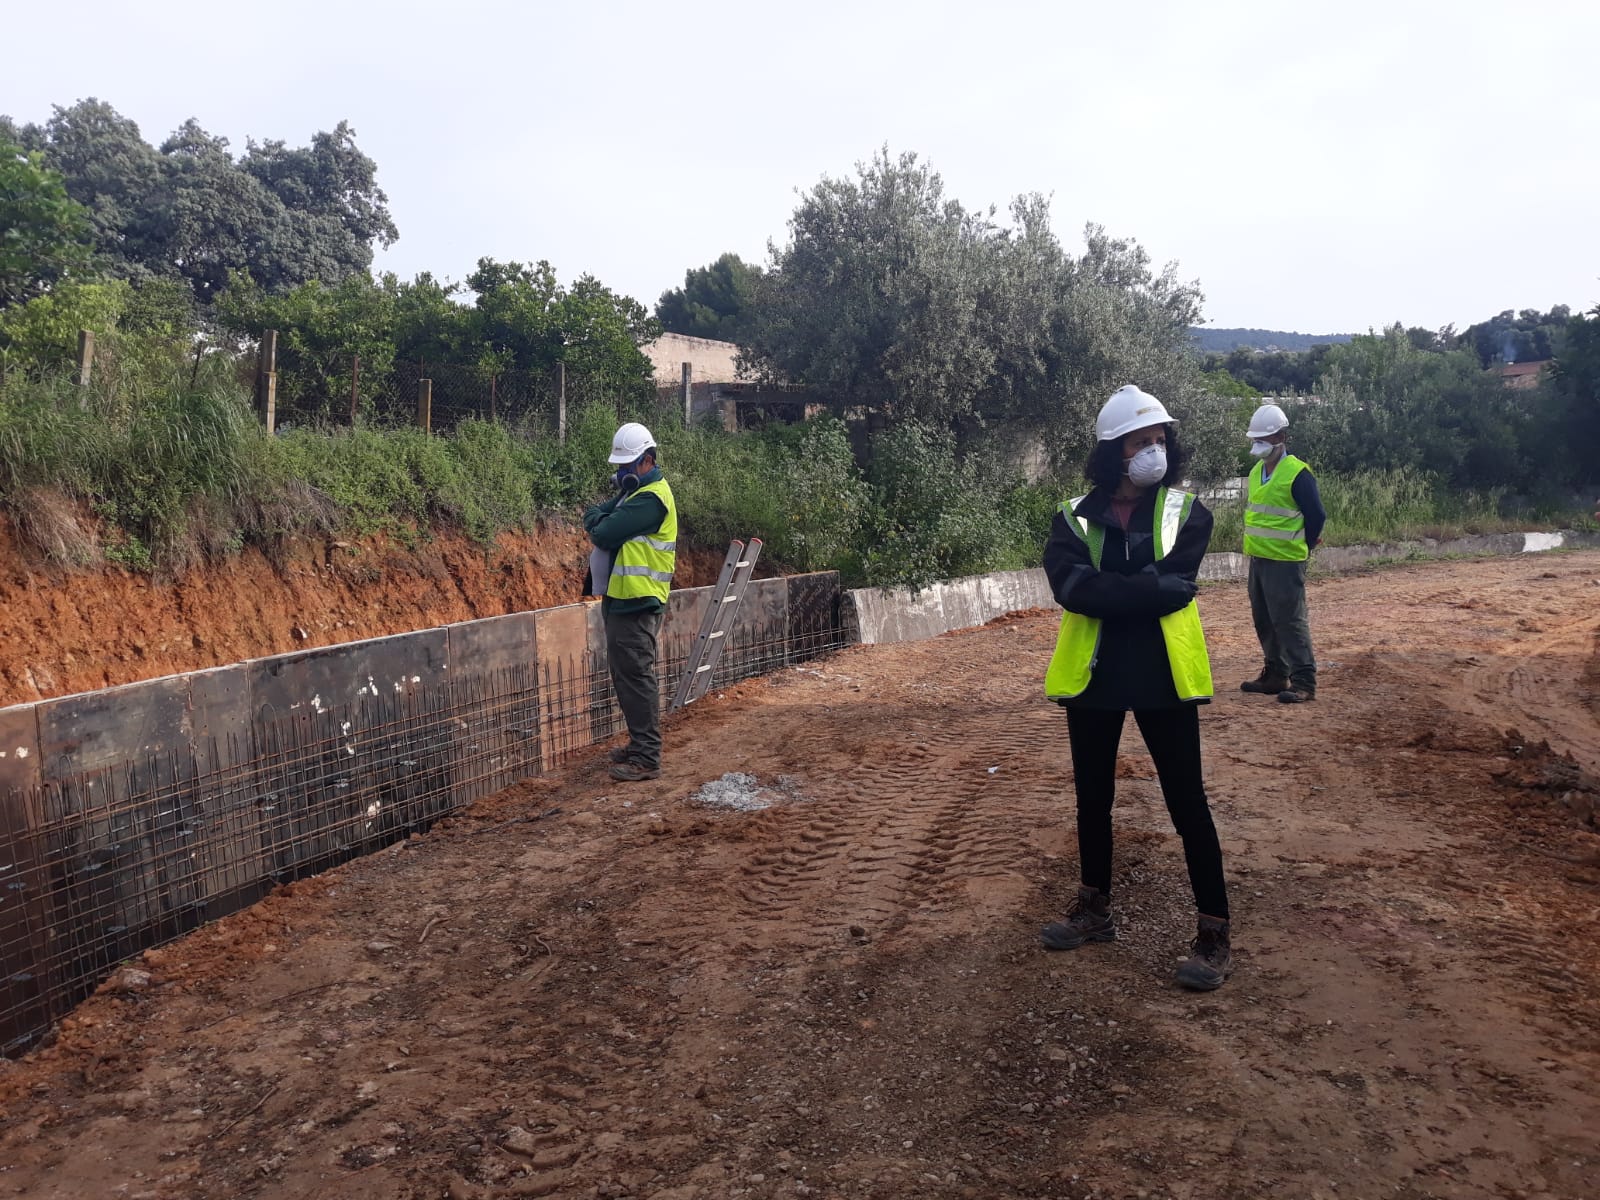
1130, 593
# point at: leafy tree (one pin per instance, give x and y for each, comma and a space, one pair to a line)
321, 327
1220, 383
1224, 341
875, 300
44, 234
520, 318
1385, 404
429, 324
1274, 374
712, 301
523, 318
191, 210
43, 332
1526, 336
892, 297
1577, 393
601, 332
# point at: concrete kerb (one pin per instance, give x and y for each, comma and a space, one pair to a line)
881, 615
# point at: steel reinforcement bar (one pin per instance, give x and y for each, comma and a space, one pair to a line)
130, 816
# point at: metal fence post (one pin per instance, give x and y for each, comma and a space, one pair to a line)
688, 391
425, 405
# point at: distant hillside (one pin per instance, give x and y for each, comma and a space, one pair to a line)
1220, 341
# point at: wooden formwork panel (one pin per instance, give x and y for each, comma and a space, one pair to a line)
227, 817
24, 907
567, 662
353, 746
495, 688
117, 822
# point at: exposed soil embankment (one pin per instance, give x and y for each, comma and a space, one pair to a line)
65, 631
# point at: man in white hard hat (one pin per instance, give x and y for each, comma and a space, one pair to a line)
638, 527
1283, 522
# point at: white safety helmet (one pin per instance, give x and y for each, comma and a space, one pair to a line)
630, 441
1268, 420
1127, 410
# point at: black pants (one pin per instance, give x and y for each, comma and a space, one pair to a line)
1173, 738
631, 654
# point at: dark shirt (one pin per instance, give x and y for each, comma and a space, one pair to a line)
1308, 499
614, 521
1131, 668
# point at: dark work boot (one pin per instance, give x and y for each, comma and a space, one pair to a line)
1264, 684
1211, 960
1297, 693
634, 771
620, 753
1088, 920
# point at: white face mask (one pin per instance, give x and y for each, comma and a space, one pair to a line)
1261, 449
1149, 466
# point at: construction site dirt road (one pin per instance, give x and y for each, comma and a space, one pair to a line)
582, 988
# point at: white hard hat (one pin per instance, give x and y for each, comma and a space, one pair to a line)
630, 441
1268, 420
1127, 410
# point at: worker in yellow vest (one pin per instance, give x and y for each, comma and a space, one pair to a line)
1122, 562
1283, 521
637, 533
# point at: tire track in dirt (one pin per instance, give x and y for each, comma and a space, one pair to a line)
908, 826
645, 998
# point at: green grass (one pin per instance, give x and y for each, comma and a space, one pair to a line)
172, 472
1378, 507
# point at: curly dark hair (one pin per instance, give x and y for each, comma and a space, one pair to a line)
1104, 467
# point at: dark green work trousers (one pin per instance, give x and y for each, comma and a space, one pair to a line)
1278, 604
631, 654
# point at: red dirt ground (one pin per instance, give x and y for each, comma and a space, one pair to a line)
581, 988
75, 631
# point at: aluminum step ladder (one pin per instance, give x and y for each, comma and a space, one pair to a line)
718, 622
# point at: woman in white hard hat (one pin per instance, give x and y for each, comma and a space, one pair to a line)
1122, 563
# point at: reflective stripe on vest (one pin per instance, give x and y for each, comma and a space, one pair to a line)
1078, 640
645, 563
1274, 527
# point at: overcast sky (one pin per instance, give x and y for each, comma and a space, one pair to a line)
1320, 167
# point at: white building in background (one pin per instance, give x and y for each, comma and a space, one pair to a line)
710, 361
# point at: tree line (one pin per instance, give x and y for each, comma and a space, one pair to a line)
160, 245
1435, 400
978, 330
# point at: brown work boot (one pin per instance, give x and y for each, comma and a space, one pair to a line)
1297, 693
1211, 959
620, 753
1264, 684
634, 772
1088, 920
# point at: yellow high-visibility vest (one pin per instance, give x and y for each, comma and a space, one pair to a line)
1274, 526
1078, 641
645, 564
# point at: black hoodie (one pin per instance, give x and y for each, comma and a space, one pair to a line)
1131, 670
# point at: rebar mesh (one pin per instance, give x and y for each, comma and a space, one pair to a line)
98, 866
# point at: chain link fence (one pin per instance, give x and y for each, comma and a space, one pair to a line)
437, 396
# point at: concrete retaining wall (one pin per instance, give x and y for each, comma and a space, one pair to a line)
898, 615
130, 815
